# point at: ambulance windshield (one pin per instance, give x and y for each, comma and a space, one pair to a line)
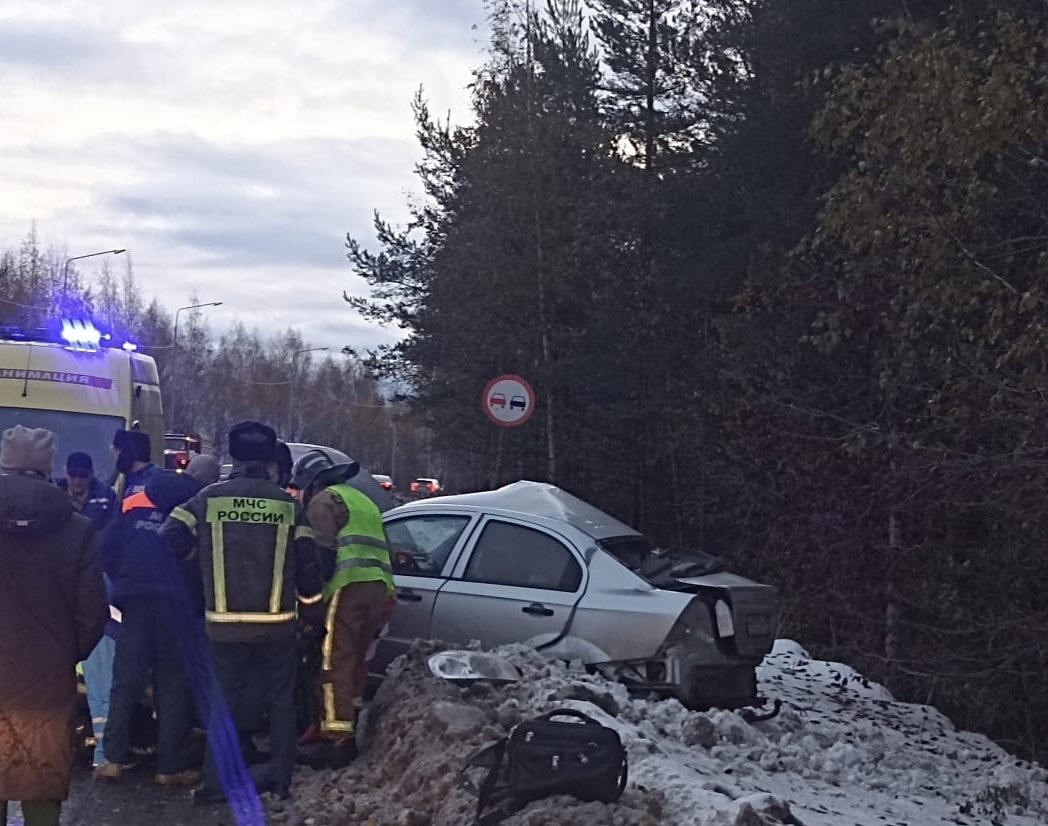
87, 432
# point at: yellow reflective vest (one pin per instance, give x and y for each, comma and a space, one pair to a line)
363, 552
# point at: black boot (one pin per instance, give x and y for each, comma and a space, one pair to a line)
330, 754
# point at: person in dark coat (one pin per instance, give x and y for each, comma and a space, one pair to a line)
133, 451
97, 502
90, 497
151, 593
52, 614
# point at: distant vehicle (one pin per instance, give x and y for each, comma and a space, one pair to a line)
497, 400
426, 486
530, 563
517, 402
179, 449
384, 482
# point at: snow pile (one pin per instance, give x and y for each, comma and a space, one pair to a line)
842, 751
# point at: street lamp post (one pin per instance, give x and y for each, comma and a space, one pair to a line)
65, 269
175, 355
291, 389
191, 307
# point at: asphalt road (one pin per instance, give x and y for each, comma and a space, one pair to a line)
135, 801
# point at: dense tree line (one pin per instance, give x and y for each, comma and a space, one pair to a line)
211, 381
778, 274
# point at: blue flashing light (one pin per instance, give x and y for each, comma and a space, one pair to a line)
81, 335
129, 346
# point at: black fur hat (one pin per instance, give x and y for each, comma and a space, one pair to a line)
252, 442
134, 444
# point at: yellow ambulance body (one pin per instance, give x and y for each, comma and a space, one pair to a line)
82, 393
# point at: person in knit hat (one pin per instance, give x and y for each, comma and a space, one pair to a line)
29, 451
51, 590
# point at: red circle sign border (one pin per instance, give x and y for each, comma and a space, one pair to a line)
527, 413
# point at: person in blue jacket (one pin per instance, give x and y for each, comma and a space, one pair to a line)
97, 502
152, 594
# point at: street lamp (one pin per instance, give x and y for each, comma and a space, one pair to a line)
65, 269
175, 358
191, 307
291, 388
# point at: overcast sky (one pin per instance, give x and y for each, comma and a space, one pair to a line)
229, 145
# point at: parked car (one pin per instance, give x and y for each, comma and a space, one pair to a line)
530, 563
363, 480
425, 486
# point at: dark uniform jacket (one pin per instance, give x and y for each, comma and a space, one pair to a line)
99, 506
52, 612
132, 552
255, 553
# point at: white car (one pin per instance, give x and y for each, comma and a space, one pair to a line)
530, 563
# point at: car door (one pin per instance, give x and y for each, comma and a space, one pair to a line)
424, 548
515, 582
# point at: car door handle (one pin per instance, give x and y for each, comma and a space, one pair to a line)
409, 596
537, 609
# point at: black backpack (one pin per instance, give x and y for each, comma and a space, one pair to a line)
543, 757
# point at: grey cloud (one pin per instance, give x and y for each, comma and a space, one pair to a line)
423, 24
50, 45
286, 203
78, 56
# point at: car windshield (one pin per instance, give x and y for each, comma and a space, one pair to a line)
662, 567
87, 432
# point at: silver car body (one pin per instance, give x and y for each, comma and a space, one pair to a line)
594, 609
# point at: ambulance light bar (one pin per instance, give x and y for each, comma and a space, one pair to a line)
77, 335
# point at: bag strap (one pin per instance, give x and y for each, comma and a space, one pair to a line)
568, 712
624, 773
491, 756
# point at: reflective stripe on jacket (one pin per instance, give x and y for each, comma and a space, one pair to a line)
253, 551
363, 552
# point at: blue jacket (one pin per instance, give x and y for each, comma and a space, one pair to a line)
99, 506
132, 554
136, 482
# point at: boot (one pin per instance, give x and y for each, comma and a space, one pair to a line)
331, 754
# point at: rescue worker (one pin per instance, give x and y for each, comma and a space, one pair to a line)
97, 502
255, 557
90, 497
52, 612
348, 530
151, 594
133, 460
285, 466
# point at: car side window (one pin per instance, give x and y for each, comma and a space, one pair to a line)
420, 545
507, 554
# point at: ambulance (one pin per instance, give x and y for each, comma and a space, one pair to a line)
83, 386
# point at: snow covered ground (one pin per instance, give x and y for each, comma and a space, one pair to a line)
841, 753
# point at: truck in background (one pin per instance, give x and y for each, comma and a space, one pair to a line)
76, 382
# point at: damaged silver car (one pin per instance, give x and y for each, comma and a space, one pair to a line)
529, 563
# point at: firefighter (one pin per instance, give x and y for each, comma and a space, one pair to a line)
348, 530
255, 557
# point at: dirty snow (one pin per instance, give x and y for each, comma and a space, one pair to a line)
842, 751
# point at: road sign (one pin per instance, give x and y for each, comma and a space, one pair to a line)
508, 400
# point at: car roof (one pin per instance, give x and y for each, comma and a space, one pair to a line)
300, 449
537, 499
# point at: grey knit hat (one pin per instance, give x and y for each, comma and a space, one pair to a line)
27, 450
204, 468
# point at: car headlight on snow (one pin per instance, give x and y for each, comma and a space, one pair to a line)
725, 623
